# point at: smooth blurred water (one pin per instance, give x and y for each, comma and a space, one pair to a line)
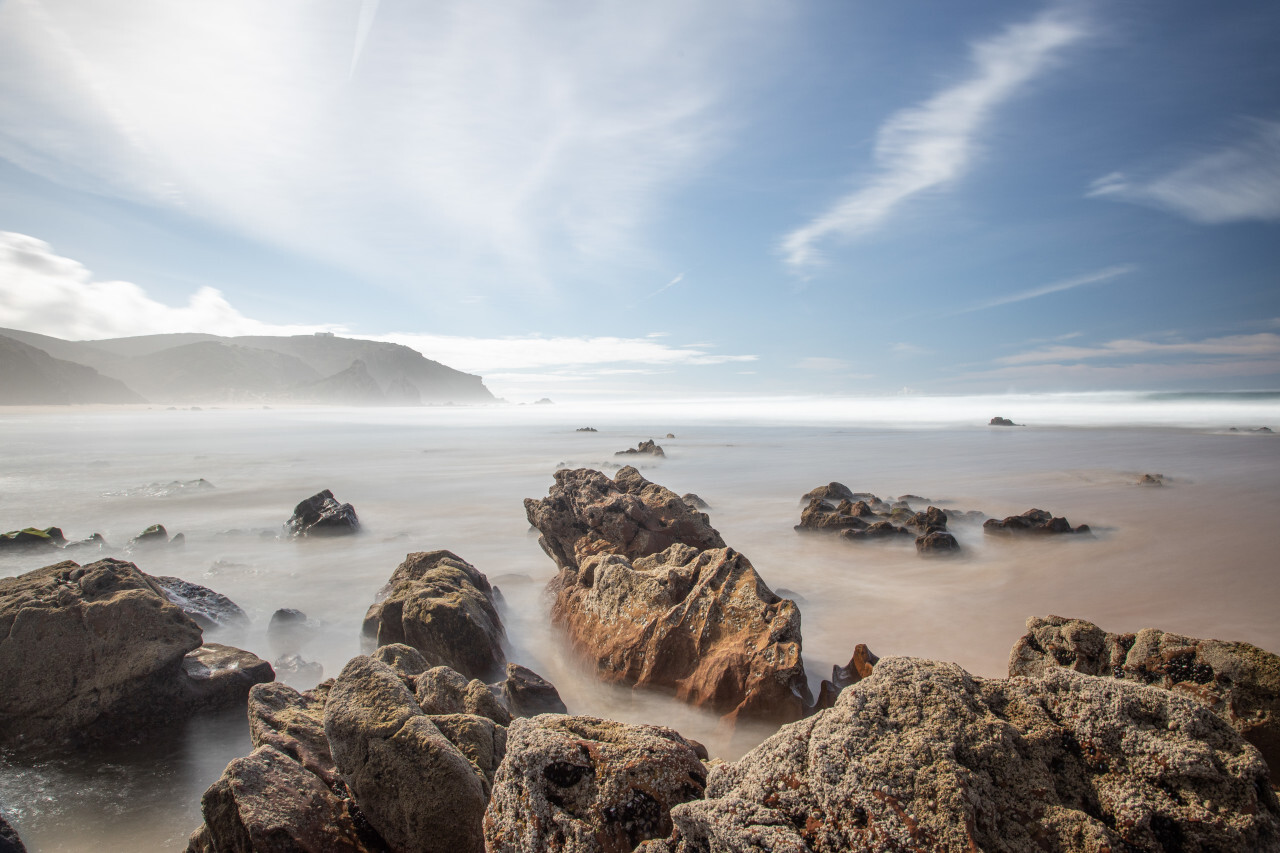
1196, 556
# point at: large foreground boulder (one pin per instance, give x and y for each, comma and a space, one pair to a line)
586, 513
99, 652
649, 592
922, 756
701, 623
588, 785
1237, 681
9, 840
443, 606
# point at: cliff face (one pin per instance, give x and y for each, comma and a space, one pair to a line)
191, 368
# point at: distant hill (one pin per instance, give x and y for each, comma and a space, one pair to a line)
190, 368
30, 377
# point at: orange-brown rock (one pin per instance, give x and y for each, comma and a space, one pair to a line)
701, 623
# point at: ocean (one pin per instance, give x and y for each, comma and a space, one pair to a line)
1195, 556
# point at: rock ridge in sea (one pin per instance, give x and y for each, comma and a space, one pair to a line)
651, 595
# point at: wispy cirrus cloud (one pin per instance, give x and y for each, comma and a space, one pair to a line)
1235, 183
1260, 345
1096, 277
934, 143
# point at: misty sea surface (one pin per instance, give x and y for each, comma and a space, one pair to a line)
1196, 556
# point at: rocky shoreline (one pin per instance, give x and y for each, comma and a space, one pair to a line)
436, 741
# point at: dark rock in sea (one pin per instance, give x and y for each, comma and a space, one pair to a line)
94, 543
588, 785
528, 694
1151, 480
878, 530
153, 536
1237, 681
1032, 521
915, 498
694, 501
442, 606
861, 664
821, 516
1262, 429
929, 520
922, 756
965, 515
999, 421
9, 840
209, 609
99, 652
936, 543
416, 788
289, 630
32, 539
650, 594
670, 435
831, 492
645, 447
322, 515
545, 401
586, 429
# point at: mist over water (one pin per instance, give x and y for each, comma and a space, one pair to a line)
1195, 556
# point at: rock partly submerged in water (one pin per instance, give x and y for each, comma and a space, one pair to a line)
644, 448
99, 652
322, 515
650, 594
9, 840
444, 607
1033, 521
207, 608
921, 756
1237, 681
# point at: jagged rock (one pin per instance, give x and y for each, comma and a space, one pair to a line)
586, 513
154, 536
921, 756
645, 447
1151, 480
528, 694
267, 801
833, 491
701, 623
442, 606
32, 538
441, 690
418, 791
820, 516
293, 723
861, 664
876, 530
94, 543
588, 785
999, 421
930, 519
1032, 521
936, 542
9, 840
694, 501
1237, 681
207, 608
586, 429
322, 515
405, 660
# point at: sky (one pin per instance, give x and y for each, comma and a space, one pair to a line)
670, 198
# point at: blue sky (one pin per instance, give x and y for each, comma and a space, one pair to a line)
577, 199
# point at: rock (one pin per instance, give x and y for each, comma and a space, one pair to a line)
267, 801
588, 785
915, 498
671, 435
1263, 429
440, 690
694, 501
219, 676
586, 429
999, 421
207, 608
586, 513
322, 515
152, 537
32, 538
700, 623
860, 665
1151, 480
931, 519
418, 791
295, 669
1032, 521
820, 516
1237, 681
648, 447
528, 694
935, 543
922, 756
94, 543
289, 630
833, 491
405, 660
9, 840
877, 530
442, 606
293, 723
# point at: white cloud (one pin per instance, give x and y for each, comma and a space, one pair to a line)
823, 363
1096, 277
1261, 345
1238, 182
43, 292
902, 348
451, 144
932, 144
